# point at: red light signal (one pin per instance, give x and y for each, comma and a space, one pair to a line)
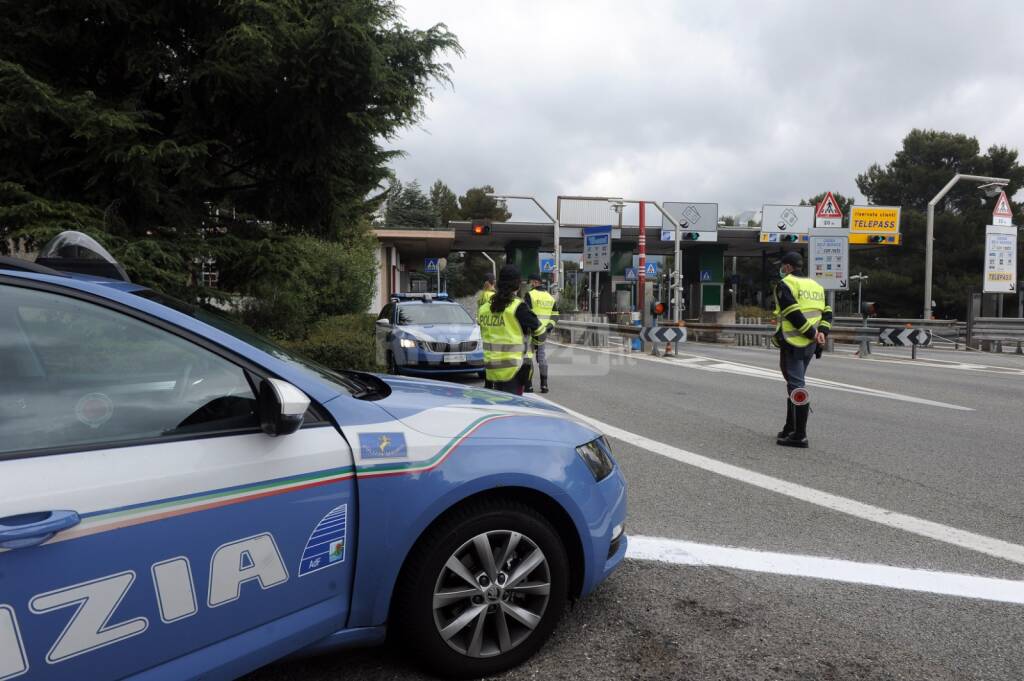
481, 227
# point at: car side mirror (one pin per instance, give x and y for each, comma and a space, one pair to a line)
383, 322
281, 407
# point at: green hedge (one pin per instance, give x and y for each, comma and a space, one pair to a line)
341, 342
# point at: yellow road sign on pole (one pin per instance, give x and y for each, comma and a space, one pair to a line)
875, 220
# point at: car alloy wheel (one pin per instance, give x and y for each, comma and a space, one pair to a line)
482, 590
491, 593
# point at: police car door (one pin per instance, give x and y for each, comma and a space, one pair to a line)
144, 518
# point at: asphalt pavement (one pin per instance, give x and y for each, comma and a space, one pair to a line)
892, 548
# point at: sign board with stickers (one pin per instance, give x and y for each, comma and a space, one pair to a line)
1000, 259
829, 263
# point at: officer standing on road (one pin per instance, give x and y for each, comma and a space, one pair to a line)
487, 291
507, 324
804, 320
545, 307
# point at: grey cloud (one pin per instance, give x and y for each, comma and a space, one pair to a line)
739, 103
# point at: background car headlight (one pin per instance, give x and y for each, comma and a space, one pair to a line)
598, 457
407, 343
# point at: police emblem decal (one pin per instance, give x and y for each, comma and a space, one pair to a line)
382, 446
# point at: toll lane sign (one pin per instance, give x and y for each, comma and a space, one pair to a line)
875, 219
1000, 259
597, 248
830, 259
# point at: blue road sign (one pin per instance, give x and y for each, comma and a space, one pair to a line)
547, 265
631, 274
651, 270
668, 234
705, 275
430, 265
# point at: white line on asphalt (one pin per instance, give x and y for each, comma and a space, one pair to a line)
681, 552
900, 521
727, 366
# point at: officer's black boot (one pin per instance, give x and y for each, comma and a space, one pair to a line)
798, 438
788, 428
544, 383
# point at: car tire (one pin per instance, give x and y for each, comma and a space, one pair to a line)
467, 629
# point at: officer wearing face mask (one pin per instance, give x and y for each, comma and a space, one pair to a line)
804, 320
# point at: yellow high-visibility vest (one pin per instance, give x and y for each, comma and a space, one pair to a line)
810, 300
506, 348
484, 296
543, 304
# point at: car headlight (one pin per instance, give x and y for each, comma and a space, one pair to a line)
598, 457
407, 343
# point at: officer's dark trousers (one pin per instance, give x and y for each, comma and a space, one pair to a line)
794, 362
518, 383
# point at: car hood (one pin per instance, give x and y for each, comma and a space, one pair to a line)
444, 409
442, 333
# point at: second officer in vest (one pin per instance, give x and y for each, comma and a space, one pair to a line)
545, 307
506, 325
804, 321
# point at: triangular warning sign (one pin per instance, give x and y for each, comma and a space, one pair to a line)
828, 208
1002, 209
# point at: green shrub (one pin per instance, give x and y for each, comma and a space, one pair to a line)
341, 342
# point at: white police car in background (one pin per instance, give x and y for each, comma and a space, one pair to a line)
180, 499
426, 334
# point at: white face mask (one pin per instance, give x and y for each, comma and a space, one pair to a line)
783, 272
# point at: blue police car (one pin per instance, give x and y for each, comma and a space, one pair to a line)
180, 499
427, 334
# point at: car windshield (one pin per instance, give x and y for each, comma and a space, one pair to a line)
247, 335
432, 313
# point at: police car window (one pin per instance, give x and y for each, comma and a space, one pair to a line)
75, 374
432, 313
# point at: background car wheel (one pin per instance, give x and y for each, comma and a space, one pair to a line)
482, 591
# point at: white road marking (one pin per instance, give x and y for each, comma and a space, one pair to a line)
705, 363
680, 552
876, 514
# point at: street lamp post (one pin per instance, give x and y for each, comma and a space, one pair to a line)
993, 182
859, 277
556, 279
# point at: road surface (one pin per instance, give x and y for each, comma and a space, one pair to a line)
892, 548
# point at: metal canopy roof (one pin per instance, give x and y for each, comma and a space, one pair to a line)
742, 242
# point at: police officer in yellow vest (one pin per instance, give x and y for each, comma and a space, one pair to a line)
487, 291
506, 325
545, 307
804, 321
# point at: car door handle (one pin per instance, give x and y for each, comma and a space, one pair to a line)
32, 529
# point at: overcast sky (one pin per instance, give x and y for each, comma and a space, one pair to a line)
739, 103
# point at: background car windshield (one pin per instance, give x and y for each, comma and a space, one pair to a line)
432, 313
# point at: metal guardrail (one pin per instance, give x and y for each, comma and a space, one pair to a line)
847, 334
997, 330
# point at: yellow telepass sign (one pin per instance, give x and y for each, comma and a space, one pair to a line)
875, 219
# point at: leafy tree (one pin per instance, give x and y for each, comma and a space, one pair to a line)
444, 202
476, 205
927, 161
408, 206
174, 130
